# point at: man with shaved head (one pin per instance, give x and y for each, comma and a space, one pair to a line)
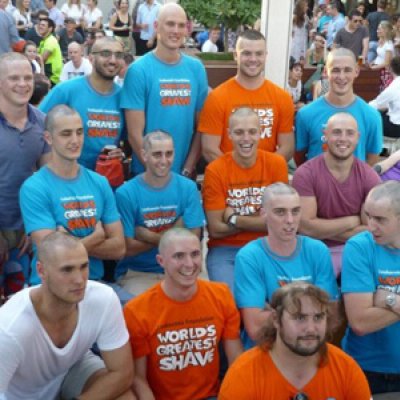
96, 98
77, 64
177, 325
342, 69
165, 89
46, 332
333, 187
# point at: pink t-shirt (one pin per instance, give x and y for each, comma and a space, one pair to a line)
335, 199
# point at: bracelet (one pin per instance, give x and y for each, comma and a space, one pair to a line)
186, 172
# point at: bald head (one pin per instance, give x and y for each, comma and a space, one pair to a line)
340, 52
7, 59
104, 42
342, 118
170, 9
174, 235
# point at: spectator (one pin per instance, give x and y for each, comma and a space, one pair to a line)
146, 16
31, 51
22, 17
293, 359
294, 86
149, 205
121, 24
93, 17
374, 19
362, 9
97, 103
19, 121
41, 87
265, 264
8, 31
342, 69
333, 187
388, 102
335, 24
67, 197
61, 318
300, 29
77, 64
248, 88
127, 60
385, 53
232, 190
192, 314
33, 33
316, 54
50, 51
210, 45
55, 14
163, 87
323, 19
354, 36
76, 10
67, 35
370, 279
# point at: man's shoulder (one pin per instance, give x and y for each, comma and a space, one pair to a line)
310, 109
97, 294
224, 88
267, 157
338, 357
220, 163
251, 248
310, 166
311, 244
363, 239
37, 181
148, 300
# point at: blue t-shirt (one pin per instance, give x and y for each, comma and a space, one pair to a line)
259, 272
156, 209
368, 266
49, 201
103, 120
170, 95
311, 121
19, 156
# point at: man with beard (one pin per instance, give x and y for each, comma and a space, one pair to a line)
293, 360
96, 98
282, 257
333, 187
248, 88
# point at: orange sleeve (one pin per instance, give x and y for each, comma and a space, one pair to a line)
232, 316
137, 334
214, 197
281, 170
286, 114
357, 385
212, 116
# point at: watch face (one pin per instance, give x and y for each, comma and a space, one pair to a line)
391, 299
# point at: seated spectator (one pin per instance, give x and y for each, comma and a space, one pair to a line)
232, 191
294, 86
354, 36
300, 28
55, 14
370, 287
31, 51
33, 33
50, 51
22, 17
176, 326
55, 324
385, 53
210, 45
149, 205
323, 18
126, 62
363, 10
265, 264
316, 54
388, 102
373, 21
93, 17
77, 64
67, 197
41, 86
293, 359
68, 35
76, 10
333, 187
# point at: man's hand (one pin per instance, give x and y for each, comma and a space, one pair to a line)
150, 43
380, 300
24, 246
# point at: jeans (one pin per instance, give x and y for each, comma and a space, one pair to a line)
383, 383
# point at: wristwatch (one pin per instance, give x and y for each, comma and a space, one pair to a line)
390, 300
232, 220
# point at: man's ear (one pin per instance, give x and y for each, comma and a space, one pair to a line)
160, 260
275, 319
47, 137
40, 270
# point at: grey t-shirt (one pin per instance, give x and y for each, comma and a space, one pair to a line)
351, 41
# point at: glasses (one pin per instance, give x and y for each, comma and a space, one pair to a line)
300, 396
108, 54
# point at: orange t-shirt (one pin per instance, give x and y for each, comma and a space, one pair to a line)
226, 184
180, 339
273, 105
254, 376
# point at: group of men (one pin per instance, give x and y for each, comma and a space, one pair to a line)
284, 283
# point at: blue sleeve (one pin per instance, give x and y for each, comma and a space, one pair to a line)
375, 134
249, 288
133, 95
301, 133
110, 212
203, 88
54, 98
127, 211
193, 214
12, 30
36, 207
325, 277
357, 268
